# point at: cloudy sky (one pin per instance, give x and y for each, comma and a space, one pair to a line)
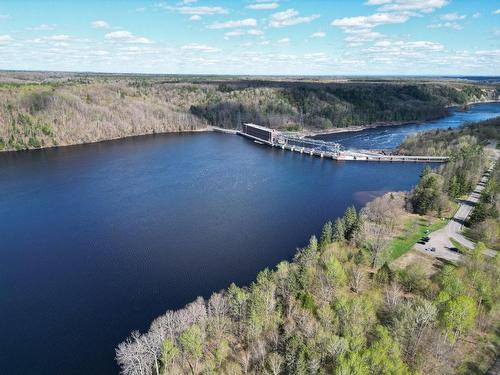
305, 37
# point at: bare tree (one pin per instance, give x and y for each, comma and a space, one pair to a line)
392, 297
376, 237
356, 278
132, 356
274, 363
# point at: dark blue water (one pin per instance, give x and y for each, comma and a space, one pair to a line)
98, 240
391, 136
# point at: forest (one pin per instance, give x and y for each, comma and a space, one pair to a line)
47, 109
342, 305
438, 189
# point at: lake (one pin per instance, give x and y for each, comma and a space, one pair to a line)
98, 240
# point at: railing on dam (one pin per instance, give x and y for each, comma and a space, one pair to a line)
324, 149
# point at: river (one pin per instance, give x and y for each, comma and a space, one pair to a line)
97, 240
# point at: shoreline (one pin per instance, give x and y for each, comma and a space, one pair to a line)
201, 130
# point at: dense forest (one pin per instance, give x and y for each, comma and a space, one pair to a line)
328, 105
342, 305
43, 109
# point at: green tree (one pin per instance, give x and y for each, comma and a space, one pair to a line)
384, 274
351, 222
351, 364
454, 188
168, 354
427, 194
191, 343
221, 352
334, 270
457, 317
295, 356
326, 235
339, 230
384, 355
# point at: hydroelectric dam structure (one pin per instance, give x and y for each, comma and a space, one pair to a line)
313, 147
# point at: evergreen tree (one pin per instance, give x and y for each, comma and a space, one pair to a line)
326, 235
339, 230
351, 222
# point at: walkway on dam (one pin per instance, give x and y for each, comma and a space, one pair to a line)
323, 149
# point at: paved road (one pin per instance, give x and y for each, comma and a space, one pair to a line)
441, 239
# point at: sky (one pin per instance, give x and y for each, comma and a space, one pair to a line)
253, 37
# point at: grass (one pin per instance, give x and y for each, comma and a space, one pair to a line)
413, 231
461, 248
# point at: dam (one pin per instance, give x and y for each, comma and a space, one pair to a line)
324, 149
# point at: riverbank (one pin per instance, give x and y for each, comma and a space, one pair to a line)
319, 133
193, 131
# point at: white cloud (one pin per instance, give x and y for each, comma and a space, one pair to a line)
127, 36
316, 57
100, 24
284, 41
195, 17
404, 48
449, 25
319, 34
248, 22
200, 11
5, 39
290, 17
476, 15
230, 34
496, 11
58, 37
255, 32
371, 21
240, 32
494, 53
424, 6
44, 27
452, 17
199, 47
383, 43
362, 36
263, 6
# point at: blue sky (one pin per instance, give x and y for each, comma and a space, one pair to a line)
304, 37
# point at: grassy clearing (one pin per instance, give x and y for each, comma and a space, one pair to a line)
412, 232
461, 248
